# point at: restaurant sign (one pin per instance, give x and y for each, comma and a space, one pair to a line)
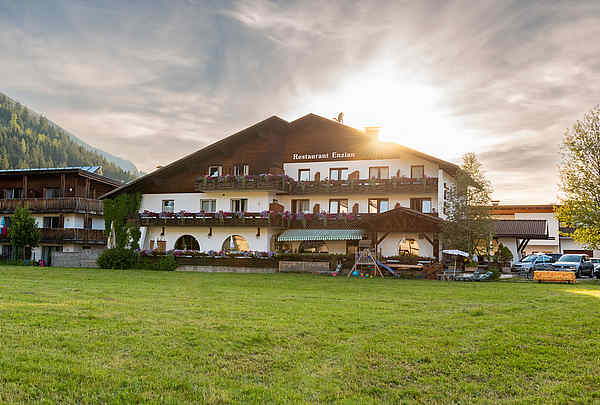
317, 156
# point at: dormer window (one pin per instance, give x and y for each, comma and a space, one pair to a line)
215, 171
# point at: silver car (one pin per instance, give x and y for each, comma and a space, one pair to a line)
532, 263
577, 263
596, 262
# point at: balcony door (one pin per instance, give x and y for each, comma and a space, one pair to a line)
338, 206
421, 204
239, 205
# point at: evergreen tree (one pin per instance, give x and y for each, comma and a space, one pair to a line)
29, 140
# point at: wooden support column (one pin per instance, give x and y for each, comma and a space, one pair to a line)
87, 188
63, 184
25, 187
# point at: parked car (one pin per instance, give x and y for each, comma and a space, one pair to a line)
596, 262
531, 263
554, 256
578, 263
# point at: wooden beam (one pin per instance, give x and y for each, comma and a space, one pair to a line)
63, 184
385, 235
25, 187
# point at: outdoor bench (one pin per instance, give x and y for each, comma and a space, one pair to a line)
567, 276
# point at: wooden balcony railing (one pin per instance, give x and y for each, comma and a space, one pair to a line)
254, 219
367, 186
266, 182
284, 184
54, 205
68, 235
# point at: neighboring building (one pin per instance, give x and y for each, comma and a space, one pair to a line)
531, 219
311, 185
64, 202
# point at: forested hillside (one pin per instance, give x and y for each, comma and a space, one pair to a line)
28, 140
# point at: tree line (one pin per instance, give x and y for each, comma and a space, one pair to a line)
28, 140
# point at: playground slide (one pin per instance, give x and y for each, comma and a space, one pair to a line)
386, 267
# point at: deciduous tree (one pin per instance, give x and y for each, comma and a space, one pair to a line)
580, 180
469, 225
23, 231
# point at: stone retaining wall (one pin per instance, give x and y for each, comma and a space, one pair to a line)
225, 269
303, 267
85, 258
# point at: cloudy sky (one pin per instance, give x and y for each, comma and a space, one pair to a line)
152, 81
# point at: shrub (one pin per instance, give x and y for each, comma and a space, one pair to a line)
167, 263
117, 258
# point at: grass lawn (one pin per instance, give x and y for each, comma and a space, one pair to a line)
94, 336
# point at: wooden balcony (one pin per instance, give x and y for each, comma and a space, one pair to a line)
252, 219
54, 205
368, 186
263, 182
69, 235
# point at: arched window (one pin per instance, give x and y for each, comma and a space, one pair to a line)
187, 242
313, 247
235, 243
408, 247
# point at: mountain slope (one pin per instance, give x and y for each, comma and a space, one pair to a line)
28, 139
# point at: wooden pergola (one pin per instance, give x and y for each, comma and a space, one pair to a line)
406, 220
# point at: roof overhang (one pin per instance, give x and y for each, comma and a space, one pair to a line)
522, 229
403, 219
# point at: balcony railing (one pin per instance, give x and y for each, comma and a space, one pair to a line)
54, 205
367, 186
255, 219
262, 182
68, 235
284, 184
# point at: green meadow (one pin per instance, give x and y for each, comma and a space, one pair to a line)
110, 336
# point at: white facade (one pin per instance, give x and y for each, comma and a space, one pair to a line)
259, 201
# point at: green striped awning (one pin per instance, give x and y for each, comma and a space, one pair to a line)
294, 235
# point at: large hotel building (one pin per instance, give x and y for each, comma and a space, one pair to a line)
310, 185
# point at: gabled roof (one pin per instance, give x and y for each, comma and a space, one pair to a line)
280, 132
522, 228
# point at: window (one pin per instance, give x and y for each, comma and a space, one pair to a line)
51, 222
215, 171
417, 172
13, 193
208, 205
378, 205
300, 206
382, 172
313, 247
241, 170
338, 206
303, 174
53, 192
338, 174
168, 206
187, 242
235, 243
239, 205
421, 204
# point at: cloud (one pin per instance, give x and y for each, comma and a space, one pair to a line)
153, 81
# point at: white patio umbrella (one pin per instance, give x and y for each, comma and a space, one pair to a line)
456, 253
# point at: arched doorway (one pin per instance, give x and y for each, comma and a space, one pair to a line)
408, 247
235, 243
187, 242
